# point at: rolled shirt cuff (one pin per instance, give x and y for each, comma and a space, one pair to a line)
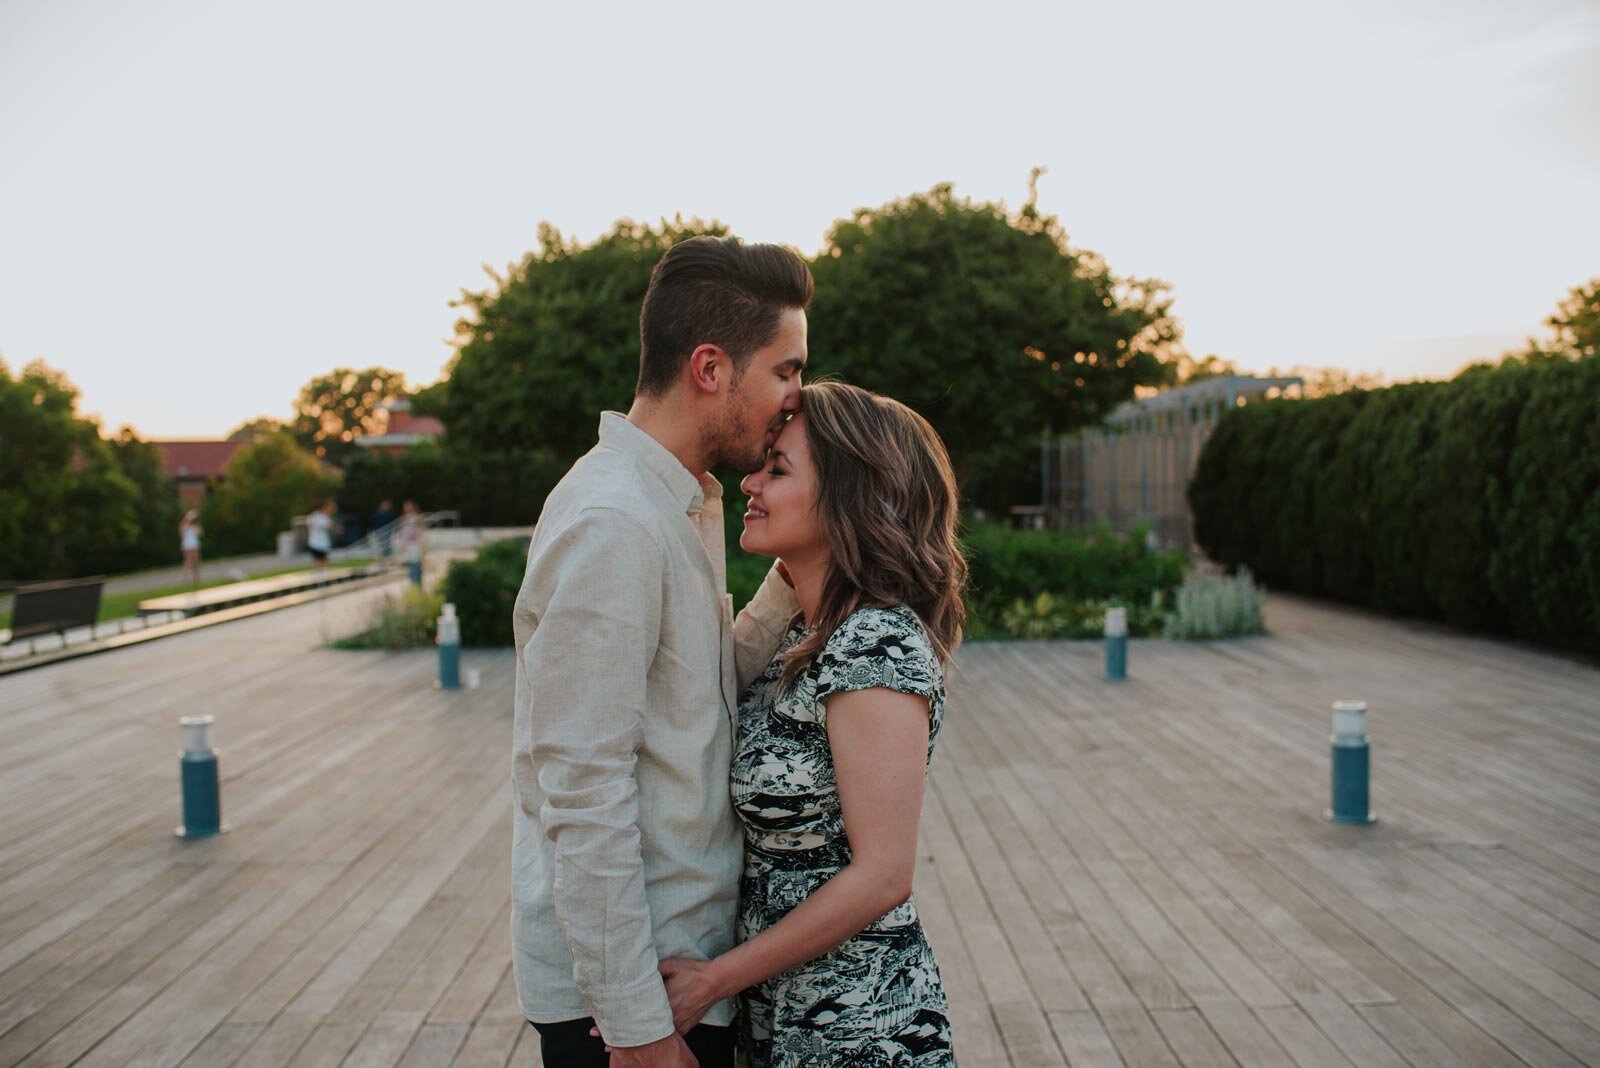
633, 1016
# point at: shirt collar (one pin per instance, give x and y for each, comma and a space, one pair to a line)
691, 491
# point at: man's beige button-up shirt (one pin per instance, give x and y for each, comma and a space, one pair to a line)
627, 850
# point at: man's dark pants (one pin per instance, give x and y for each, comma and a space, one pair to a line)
570, 1045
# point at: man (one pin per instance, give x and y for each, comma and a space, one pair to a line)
381, 519
627, 850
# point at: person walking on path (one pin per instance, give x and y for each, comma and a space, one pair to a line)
189, 532
627, 851
319, 535
409, 538
381, 519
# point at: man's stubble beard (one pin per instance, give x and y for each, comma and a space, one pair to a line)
726, 440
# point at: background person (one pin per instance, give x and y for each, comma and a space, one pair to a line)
381, 519
319, 535
189, 532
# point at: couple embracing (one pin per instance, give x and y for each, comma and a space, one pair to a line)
716, 819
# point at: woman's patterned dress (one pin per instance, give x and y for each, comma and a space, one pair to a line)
876, 1001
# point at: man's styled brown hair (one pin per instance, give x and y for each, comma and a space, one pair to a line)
715, 291
889, 508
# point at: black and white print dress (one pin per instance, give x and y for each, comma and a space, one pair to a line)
876, 1001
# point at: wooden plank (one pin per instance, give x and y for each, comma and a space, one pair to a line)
224, 1046
1137, 1039
1187, 1033
1354, 1037
488, 1044
1460, 994
1308, 1046
1541, 997
1418, 1045
1049, 978
1084, 1040
435, 1046
278, 1041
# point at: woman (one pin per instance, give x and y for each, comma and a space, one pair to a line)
189, 532
859, 503
319, 535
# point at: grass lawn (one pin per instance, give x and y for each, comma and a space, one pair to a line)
118, 605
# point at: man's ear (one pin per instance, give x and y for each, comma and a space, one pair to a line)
710, 369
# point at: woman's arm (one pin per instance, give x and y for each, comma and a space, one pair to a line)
759, 627
879, 740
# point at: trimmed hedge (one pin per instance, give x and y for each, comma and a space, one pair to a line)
1474, 501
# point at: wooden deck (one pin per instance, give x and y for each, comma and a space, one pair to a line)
1135, 874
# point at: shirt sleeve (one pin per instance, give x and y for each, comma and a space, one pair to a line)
761, 626
596, 592
876, 647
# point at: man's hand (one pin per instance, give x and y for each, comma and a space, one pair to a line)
669, 1052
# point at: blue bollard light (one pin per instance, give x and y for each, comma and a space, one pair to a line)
449, 639
1351, 764
197, 770
1116, 644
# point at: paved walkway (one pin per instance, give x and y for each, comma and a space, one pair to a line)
1128, 874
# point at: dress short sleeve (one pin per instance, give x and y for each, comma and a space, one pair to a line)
877, 647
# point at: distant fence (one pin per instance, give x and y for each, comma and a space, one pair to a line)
1135, 467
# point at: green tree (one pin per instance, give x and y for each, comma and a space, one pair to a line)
157, 509
987, 323
1328, 381
1189, 369
266, 484
553, 342
64, 503
255, 429
1574, 327
334, 409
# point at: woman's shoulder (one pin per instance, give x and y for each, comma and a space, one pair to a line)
879, 646
893, 631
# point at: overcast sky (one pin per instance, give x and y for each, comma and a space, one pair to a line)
204, 204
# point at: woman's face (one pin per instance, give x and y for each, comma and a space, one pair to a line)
782, 519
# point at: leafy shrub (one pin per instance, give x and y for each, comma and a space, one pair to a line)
1216, 606
1051, 616
1082, 572
1474, 501
404, 620
484, 590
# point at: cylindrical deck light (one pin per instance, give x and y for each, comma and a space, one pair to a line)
1351, 764
449, 639
197, 770
1116, 644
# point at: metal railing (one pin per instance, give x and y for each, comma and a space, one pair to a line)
384, 541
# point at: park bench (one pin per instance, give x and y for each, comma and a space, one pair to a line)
54, 607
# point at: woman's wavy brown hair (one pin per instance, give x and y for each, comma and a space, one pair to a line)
889, 508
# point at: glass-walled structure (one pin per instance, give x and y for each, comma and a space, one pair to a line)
1136, 466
